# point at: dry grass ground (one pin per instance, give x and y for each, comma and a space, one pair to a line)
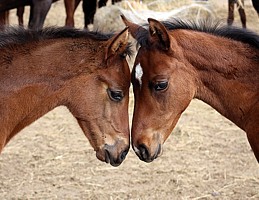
206, 157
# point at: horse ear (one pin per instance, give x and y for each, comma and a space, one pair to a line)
117, 44
158, 33
134, 29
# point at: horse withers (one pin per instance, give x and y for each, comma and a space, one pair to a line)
178, 61
85, 71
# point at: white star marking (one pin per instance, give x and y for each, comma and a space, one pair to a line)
139, 73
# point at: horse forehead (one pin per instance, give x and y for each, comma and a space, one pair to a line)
147, 56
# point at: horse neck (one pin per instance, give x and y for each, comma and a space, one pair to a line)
37, 78
227, 74
51, 63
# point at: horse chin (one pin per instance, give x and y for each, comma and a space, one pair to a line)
101, 156
106, 158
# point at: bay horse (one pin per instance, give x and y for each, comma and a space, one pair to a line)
178, 61
85, 71
40, 8
38, 11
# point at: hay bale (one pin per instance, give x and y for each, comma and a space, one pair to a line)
107, 19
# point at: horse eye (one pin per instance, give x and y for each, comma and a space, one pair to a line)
123, 55
115, 95
160, 85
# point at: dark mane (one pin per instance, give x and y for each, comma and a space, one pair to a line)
19, 35
212, 27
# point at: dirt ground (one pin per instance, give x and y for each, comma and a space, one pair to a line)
206, 157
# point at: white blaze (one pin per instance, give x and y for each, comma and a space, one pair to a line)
139, 73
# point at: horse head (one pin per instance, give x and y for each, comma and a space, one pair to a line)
160, 87
100, 100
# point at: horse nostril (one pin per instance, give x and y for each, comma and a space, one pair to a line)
113, 157
107, 156
143, 152
123, 155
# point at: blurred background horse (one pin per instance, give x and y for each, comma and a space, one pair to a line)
40, 8
38, 11
241, 9
89, 9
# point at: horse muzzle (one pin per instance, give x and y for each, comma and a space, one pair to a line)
147, 154
112, 154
